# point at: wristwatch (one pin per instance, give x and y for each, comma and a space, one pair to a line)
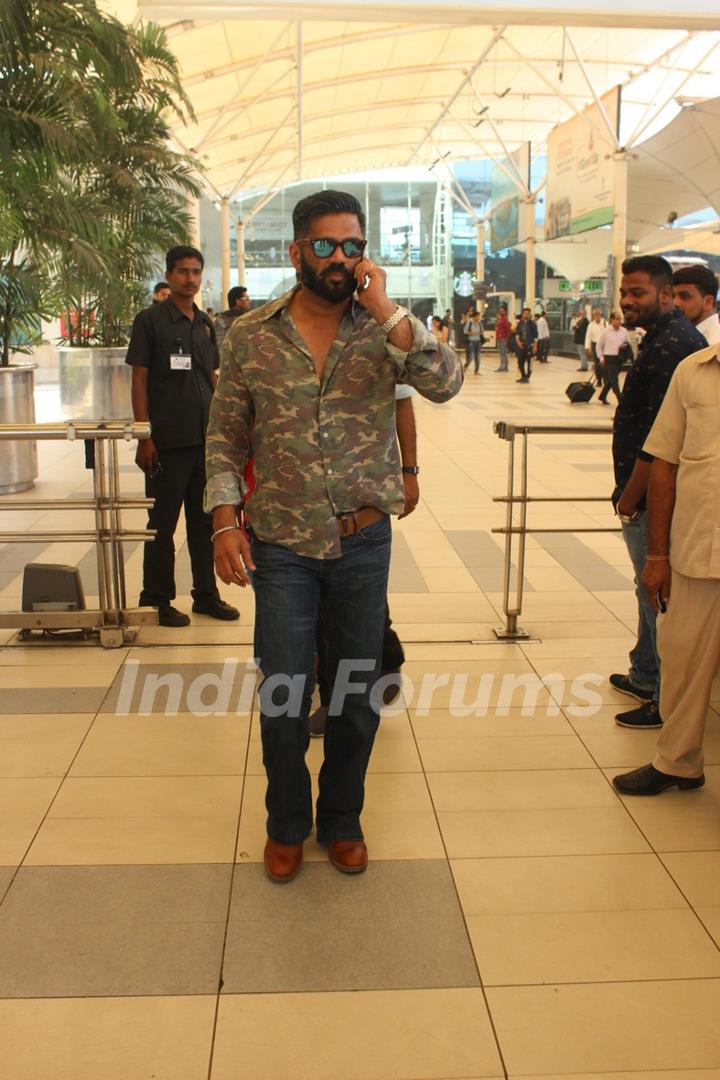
411, 470
397, 316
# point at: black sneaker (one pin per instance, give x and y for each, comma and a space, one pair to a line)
623, 684
217, 609
170, 616
645, 716
316, 722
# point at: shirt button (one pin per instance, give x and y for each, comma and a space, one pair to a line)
324, 434
329, 472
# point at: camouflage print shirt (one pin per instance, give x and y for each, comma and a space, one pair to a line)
320, 450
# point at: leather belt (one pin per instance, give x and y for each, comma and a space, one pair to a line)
355, 520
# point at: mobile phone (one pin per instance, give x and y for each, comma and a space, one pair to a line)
156, 471
660, 603
364, 285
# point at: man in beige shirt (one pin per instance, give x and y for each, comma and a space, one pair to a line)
684, 553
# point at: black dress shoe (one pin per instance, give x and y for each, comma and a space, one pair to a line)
646, 715
217, 609
647, 780
170, 616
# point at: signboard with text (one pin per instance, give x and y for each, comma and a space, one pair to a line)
580, 171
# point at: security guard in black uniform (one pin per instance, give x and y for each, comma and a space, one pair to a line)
174, 359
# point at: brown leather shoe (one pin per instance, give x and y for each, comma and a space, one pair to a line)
350, 856
282, 861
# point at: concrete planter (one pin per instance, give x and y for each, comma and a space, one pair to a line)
18, 459
94, 384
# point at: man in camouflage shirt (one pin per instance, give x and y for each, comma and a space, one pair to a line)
314, 374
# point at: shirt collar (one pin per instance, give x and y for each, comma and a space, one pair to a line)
176, 314
711, 353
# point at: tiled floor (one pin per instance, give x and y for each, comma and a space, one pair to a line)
518, 919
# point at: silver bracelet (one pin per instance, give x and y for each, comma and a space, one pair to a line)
397, 316
225, 528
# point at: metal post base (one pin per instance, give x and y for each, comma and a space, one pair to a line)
505, 633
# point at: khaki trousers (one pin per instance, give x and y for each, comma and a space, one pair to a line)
688, 638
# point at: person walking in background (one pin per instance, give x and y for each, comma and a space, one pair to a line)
239, 302
543, 338
592, 336
695, 293
161, 292
579, 327
503, 329
526, 336
475, 335
610, 347
439, 330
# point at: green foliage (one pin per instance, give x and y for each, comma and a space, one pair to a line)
91, 191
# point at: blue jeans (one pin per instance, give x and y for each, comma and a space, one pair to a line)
474, 346
290, 589
644, 660
502, 350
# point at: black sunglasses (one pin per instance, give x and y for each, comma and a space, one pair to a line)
326, 246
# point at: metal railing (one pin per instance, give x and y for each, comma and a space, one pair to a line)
112, 619
509, 432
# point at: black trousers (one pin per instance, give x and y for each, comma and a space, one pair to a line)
610, 372
543, 350
181, 483
524, 359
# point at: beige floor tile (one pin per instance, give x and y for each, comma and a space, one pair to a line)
87, 1038
140, 820
22, 676
400, 1037
571, 648
572, 883
449, 580
543, 789
23, 804
591, 946
632, 1026
456, 651
517, 752
159, 745
697, 874
44, 656
40, 745
495, 833
680, 820
190, 654
442, 724
710, 918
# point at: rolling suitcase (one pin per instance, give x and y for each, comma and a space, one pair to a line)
580, 391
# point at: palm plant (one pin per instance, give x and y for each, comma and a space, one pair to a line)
90, 189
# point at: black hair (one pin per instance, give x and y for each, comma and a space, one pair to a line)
321, 203
236, 293
160, 285
182, 251
658, 269
701, 276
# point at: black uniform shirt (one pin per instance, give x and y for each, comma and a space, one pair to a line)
179, 400
667, 342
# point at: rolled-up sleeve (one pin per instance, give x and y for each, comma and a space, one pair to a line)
431, 366
228, 433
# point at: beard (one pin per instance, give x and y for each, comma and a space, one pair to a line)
334, 293
643, 317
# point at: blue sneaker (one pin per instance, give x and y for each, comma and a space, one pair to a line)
623, 684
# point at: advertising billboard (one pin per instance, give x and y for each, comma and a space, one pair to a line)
505, 199
580, 171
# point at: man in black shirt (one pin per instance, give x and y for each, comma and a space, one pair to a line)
174, 359
579, 330
239, 302
646, 299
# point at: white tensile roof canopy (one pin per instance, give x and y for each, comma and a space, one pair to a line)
285, 90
